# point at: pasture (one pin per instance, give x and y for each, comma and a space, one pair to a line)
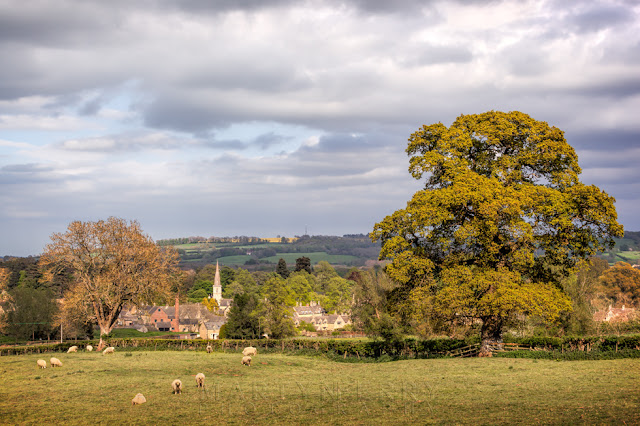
282, 389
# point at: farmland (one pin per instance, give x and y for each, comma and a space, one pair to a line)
354, 250
286, 389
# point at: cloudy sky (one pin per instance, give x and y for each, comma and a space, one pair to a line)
269, 117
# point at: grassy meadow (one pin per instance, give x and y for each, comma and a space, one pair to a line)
281, 389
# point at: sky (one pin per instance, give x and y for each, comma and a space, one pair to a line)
280, 117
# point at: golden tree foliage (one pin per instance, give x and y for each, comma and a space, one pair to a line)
620, 284
502, 218
113, 263
211, 304
4, 278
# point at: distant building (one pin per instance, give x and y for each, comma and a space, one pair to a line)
210, 329
623, 314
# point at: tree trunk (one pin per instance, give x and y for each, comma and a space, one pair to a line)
104, 330
491, 335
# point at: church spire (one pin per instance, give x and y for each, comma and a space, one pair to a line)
217, 287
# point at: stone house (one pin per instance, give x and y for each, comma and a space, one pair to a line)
210, 329
623, 314
328, 322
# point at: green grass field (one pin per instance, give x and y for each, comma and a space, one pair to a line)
629, 256
234, 260
281, 389
315, 257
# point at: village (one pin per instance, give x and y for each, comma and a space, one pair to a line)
194, 320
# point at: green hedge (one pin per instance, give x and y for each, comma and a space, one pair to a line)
345, 349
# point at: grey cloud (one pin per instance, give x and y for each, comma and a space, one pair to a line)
617, 88
601, 17
603, 139
19, 174
54, 23
268, 140
177, 112
150, 141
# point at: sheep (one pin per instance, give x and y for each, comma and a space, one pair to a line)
177, 386
200, 380
138, 399
209, 349
89, 348
42, 363
72, 349
246, 360
55, 362
250, 351
109, 350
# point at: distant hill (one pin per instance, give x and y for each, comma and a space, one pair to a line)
262, 253
627, 249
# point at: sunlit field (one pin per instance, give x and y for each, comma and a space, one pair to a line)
280, 389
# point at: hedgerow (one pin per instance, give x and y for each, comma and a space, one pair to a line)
373, 350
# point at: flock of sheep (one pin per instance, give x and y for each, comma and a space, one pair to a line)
55, 362
176, 385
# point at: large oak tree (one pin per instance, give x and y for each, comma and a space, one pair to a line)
113, 264
502, 218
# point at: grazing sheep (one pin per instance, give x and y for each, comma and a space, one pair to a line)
209, 349
246, 360
138, 399
55, 362
89, 348
109, 350
200, 380
72, 349
177, 386
42, 363
250, 351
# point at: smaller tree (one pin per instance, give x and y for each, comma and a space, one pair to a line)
243, 322
282, 269
372, 308
303, 264
211, 304
30, 313
276, 316
620, 284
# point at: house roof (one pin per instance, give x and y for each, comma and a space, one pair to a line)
308, 310
214, 323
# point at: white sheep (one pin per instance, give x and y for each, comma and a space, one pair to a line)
246, 360
109, 350
250, 351
200, 380
42, 363
209, 349
72, 349
177, 386
55, 362
138, 399
89, 348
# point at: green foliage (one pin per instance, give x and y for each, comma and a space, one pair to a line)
276, 316
200, 290
282, 269
30, 313
303, 264
581, 287
503, 217
305, 326
372, 308
243, 319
